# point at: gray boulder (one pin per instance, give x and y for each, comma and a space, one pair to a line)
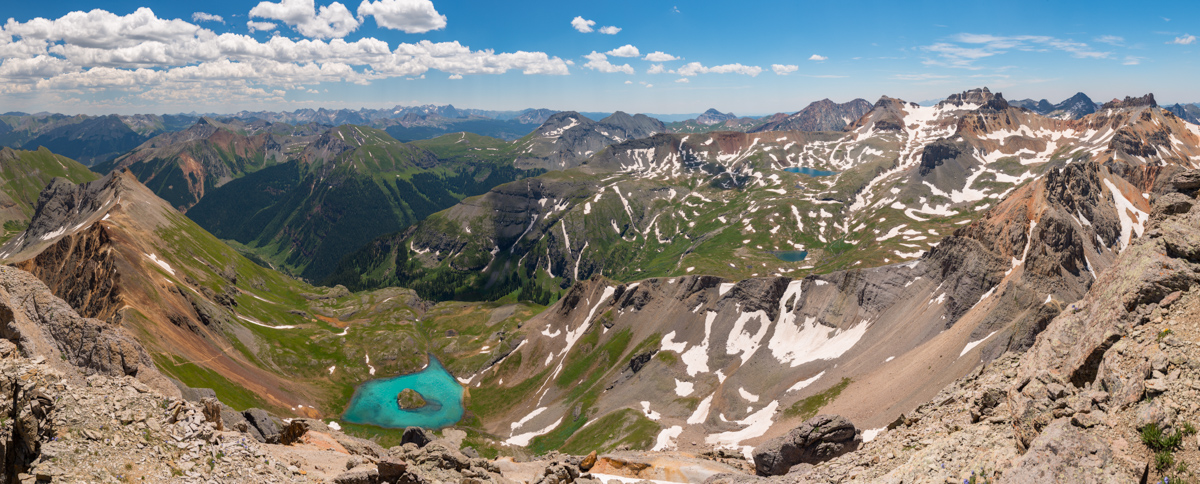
416, 435
818, 439
391, 468
363, 474
235, 421
265, 423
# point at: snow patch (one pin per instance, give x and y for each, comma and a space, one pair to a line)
1124, 207
520, 423
870, 434
523, 439
800, 385
756, 424
167, 267
260, 323
701, 413
973, 344
684, 388
666, 438
724, 288
650, 414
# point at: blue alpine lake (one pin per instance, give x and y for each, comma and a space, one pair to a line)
792, 255
809, 171
374, 402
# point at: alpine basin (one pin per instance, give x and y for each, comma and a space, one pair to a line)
374, 402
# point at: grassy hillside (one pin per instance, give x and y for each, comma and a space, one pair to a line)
348, 188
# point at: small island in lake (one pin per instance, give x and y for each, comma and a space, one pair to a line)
409, 399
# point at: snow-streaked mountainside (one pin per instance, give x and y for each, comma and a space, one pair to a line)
567, 138
945, 234
723, 204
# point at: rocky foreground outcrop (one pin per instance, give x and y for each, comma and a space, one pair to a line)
819, 439
40, 324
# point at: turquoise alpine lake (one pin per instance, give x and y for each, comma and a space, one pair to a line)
374, 402
792, 255
809, 171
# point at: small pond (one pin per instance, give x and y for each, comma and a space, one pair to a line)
809, 171
374, 402
792, 255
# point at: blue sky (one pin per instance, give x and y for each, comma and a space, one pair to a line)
746, 57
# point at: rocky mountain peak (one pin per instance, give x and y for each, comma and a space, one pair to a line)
1078, 98
980, 96
559, 122
636, 126
893, 102
1131, 102
823, 115
617, 118
712, 116
1187, 112
1074, 107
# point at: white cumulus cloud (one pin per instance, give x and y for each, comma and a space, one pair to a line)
694, 68
659, 56
610, 30
624, 51
817, 57
145, 60
332, 21
656, 69
455, 76
583, 25
683, 80
783, 70
102, 29
206, 17
257, 26
1185, 40
409, 16
599, 62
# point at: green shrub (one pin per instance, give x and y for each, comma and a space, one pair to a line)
1163, 460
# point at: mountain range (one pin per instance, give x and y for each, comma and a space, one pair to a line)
597, 285
992, 219
1074, 107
